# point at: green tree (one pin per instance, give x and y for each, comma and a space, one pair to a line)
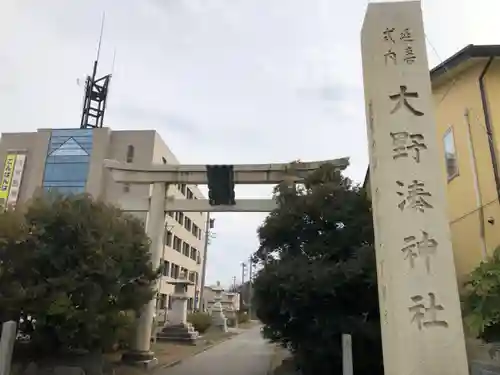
481, 299
81, 268
319, 274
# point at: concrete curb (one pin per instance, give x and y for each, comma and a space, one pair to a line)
179, 361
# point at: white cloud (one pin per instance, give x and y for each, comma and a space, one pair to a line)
223, 81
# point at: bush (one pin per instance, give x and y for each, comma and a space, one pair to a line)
243, 317
318, 278
200, 321
81, 268
481, 300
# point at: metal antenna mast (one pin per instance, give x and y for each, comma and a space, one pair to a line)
96, 93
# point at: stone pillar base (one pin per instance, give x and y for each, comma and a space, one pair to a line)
183, 333
143, 359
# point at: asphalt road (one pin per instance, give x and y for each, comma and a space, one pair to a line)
245, 354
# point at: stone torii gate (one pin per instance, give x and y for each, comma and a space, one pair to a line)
158, 203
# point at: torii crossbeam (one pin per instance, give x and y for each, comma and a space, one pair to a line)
197, 175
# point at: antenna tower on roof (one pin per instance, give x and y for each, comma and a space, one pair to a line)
95, 94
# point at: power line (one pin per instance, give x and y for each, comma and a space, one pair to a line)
454, 80
473, 211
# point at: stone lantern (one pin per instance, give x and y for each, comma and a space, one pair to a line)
230, 311
178, 314
218, 318
178, 328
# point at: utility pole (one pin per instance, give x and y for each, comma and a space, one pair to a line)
242, 288
243, 272
208, 225
250, 281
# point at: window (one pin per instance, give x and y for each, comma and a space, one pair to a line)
170, 213
199, 233
192, 276
68, 158
166, 268
181, 218
450, 154
187, 223
193, 253
183, 189
168, 239
67, 172
164, 160
66, 189
162, 301
194, 230
174, 271
185, 249
189, 193
184, 273
130, 154
177, 243
169, 302
190, 304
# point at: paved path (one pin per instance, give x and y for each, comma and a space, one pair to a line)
245, 354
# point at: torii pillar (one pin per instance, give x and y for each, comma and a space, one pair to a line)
140, 352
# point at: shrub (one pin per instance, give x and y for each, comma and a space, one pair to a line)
318, 278
481, 300
200, 321
81, 268
243, 317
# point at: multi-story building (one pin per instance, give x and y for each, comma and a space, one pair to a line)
466, 88
71, 161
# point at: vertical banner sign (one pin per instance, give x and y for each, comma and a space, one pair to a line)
421, 322
17, 177
8, 171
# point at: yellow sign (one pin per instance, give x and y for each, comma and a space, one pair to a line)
7, 176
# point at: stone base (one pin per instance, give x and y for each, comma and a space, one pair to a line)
223, 327
145, 360
232, 318
182, 333
221, 324
219, 320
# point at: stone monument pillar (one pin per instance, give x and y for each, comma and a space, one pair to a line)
218, 318
422, 330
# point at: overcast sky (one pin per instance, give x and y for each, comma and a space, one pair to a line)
222, 81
